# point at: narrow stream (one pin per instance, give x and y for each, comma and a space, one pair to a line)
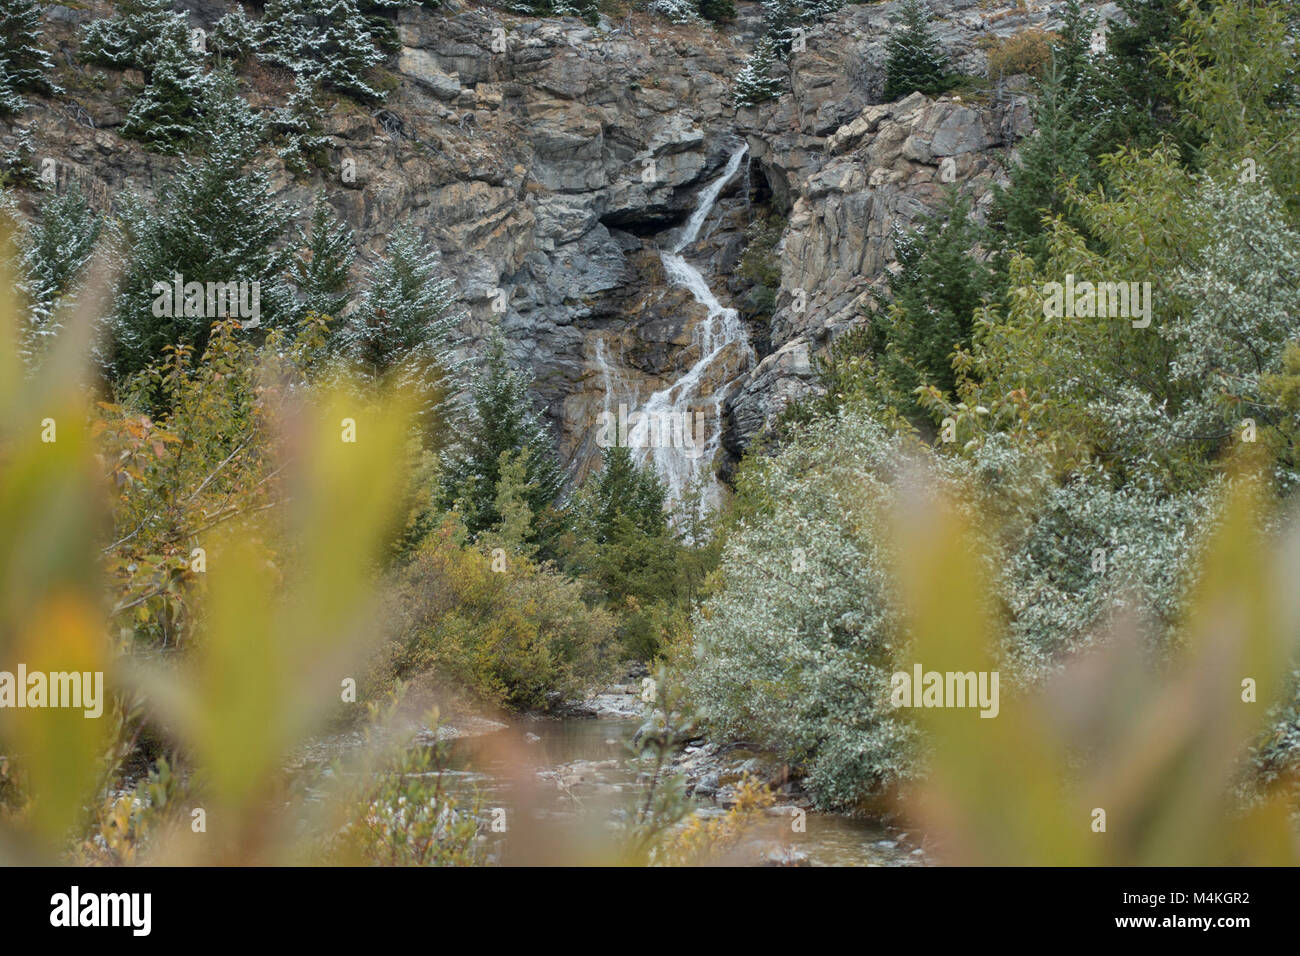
576, 783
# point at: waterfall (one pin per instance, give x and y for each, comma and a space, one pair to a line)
719, 339
613, 382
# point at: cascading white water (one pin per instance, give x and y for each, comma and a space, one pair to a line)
607, 376
719, 338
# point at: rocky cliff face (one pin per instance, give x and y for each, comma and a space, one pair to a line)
550, 162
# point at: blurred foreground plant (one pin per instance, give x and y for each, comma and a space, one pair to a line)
670, 723
276, 648
1122, 758
397, 809
51, 606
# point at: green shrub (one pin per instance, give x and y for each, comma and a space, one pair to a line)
510, 638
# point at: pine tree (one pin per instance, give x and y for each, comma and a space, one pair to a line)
915, 63
515, 529
407, 318
382, 30
289, 35
23, 61
1072, 54
1140, 97
587, 10
16, 166
322, 268
623, 542
236, 35
125, 40
298, 127
783, 19
11, 101
780, 19
226, 112
622, 491
754, 83
348, 51
934, 298
328, 40
54, 253
675, 11
150, 36
1057, 153
213, 222
499, 417
168, 112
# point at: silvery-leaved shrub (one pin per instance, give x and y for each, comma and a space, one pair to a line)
1093, 552
794, 653
795, 650
1227, 372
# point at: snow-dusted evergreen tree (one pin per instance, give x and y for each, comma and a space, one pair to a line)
348, 52
328, 40
780, 19
498, 417
54, 253
215, 221
297, 127
1072, 55
150, 36
126, 39
382, 28
24, 63
914, 61
586, 10
406, 321
675, 11
16, 166
168, 113
290, 36
323, 266
784, 20
236, 35
11, 101
755, 83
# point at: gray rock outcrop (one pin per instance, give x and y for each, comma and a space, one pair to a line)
547, 160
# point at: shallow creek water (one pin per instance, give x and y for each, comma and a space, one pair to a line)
566, 785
